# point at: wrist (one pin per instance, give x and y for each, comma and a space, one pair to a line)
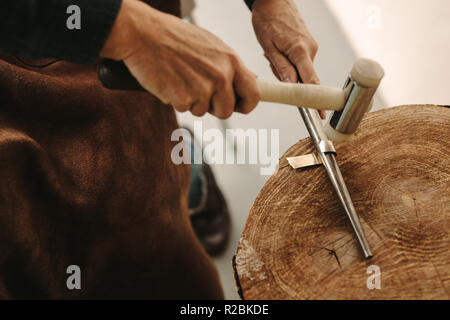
123, 38
249, 3
256, 4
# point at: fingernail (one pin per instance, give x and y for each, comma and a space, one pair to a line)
287, 78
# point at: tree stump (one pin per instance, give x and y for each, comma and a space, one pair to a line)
298, 242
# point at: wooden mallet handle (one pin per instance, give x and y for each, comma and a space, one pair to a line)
115, 75
304, 95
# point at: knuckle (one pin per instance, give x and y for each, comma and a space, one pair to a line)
314, 45
198, 111
164, 96
164, 100
247, 110
205, 90
283, 68
301, 47
180, 107
225, 113
252, 101
304, 48
221, 78
183, 102
249, 106
234, 58
228, 110
287, 73
188, 102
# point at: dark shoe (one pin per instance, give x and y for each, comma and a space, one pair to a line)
207, 207
210, 218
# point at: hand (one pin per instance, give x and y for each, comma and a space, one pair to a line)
286, 41
181, 64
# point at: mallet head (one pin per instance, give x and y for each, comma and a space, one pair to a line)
360, 88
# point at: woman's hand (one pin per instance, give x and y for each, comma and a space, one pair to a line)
287, 43
181, 64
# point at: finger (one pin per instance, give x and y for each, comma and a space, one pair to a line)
284, 68
247, 90
308, 74
323, 114
182, 105
223, 101
198, 109
275, 72
305, 67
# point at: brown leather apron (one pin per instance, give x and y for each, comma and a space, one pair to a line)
86, 179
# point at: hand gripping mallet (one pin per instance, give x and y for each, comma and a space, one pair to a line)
349, 105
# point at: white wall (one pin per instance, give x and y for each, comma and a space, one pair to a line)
410, 38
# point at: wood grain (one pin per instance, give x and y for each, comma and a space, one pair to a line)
298, 242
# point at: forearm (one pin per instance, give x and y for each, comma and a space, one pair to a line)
38, 28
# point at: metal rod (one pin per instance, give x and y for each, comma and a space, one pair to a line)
327, 154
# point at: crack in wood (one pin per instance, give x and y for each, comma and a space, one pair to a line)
332, 252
